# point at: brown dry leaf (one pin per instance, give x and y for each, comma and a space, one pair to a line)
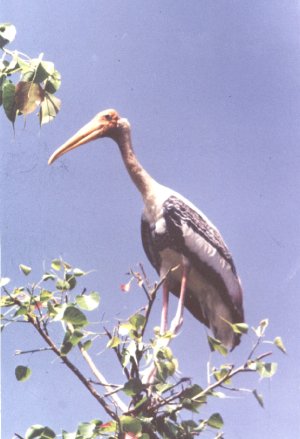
28, 96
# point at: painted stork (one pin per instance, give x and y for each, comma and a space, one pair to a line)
180, 242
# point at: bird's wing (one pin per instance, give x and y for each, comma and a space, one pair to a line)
192, 235
182, 213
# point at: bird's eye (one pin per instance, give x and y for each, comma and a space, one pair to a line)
108, 117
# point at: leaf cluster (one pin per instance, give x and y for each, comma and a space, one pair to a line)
26, 84
159, 403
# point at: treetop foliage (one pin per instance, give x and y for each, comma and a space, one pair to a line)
26, 84
154, 401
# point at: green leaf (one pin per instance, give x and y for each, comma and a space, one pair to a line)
53, 83
62, 285
125, 357
45, 295
78, 272
4, 281
49, 108
130, 424
21, 311
86, 430
133, 387
168, 430
75, 316
137, 321
192, 399
193, 392
86, 345
8, 100
215, 421
6, 301
189, 426
48, 276
259, 398
52, 311
266, 370
75, 337
216, 345
66, 344
165, 367
163, 387
39, 432
43, 69
221, 373
56, 264
240, 328
66, 347
140, 402
7, 33
25, 269
113, 342
18, 63
66, 435
70, 278
22, 373
279, 343
88, 302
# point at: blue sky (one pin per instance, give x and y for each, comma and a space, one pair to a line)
212, 93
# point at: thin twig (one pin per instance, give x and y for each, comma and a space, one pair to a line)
116, 386
254, 348
219, 383
35, 322
119, 403
32, 351
119, 356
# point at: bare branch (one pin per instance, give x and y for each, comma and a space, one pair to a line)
34, 321
117, 351
32, 351
119, 403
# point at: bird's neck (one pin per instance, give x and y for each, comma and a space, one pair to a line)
143, 181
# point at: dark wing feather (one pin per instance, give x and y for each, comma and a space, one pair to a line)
152, 244
181, 212
177, 212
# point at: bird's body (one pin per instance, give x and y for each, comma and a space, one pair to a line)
180, 242
179, 230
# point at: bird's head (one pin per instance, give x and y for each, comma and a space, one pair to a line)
107, 123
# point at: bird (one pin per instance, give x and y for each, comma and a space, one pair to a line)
182, 244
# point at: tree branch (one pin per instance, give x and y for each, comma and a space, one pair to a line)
119, 403
117, 351
35, 322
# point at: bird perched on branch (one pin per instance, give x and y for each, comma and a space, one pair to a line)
180, 242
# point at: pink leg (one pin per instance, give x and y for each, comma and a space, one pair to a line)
165, 304
178, 319
149, 376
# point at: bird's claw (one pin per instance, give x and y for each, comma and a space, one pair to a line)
176, 325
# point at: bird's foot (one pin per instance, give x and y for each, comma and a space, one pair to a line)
176, 325
149, 374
